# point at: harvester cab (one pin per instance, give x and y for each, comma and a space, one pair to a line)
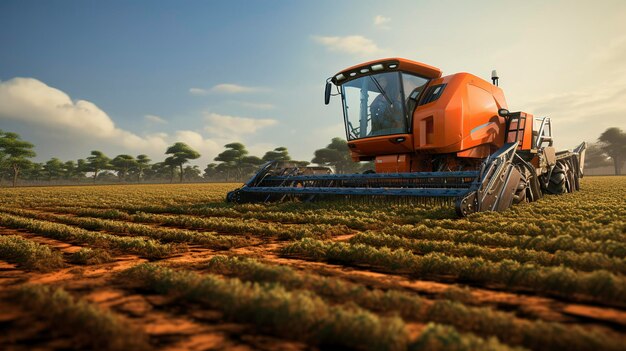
432, 138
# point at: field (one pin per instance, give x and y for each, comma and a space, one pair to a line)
135, 267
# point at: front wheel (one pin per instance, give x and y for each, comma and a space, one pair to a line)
559, 179
520, 192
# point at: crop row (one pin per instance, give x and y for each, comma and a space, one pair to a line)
601, 286
31, 255
97, 328
211, 240
233, 226
148, 248
547, 226
537, 335
248, 212
253, 227
588, 261
563, 242
298, 314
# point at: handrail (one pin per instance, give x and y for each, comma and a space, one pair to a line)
545, 121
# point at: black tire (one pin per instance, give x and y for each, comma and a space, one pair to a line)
520, 192
558, 180
570, 180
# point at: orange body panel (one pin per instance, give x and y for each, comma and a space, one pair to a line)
465, 116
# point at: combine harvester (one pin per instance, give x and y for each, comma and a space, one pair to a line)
446, 138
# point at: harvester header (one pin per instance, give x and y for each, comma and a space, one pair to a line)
431, 138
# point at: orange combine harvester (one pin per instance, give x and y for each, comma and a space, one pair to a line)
430, 136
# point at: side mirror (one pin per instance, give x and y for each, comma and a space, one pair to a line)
327, 93
503, 112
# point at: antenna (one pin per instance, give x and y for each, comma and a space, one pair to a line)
494, 77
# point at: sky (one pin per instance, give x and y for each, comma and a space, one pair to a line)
136, 76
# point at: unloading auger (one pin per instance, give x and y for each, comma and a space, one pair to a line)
432, 139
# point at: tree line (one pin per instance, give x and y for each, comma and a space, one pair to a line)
234, 164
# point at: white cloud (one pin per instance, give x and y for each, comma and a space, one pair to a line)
227, 88
382, 22
352, 44
154, 119
30, 100
81, 124
258, 106
198, 91
232, 126
236, 89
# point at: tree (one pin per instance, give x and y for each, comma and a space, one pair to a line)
170, 164
81, 168
33, 172
596, 157
122, 163
181, 154
16, 153
614, 144
70, 170
192, 173
97, 162
336, 154
211, 171
53, 169
143, 162
249, 165
278, 154
233, 159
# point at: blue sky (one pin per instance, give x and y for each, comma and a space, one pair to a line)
133, 77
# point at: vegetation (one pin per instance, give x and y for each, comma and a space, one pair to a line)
29, 254
537, 335
14, 153
100, 329
541, 276
89, 256
601, 286
148, 248
614, 145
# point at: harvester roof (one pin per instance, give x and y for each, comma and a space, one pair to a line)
386, 65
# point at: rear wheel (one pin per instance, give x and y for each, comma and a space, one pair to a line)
558, 180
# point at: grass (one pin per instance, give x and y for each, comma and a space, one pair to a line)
148, 248
298, 315
482, 321
600, 286
168, 235
588, 261
87, 256
29, 254
99, 328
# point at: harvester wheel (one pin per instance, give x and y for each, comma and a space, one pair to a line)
569, 178
520, 192
576, 181
558, 179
